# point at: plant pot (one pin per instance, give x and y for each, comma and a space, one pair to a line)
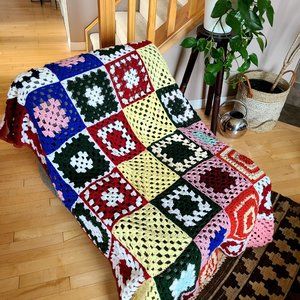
212, 24
263, 108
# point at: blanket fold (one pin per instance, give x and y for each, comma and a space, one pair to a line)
152, 187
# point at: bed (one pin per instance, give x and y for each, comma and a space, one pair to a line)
149, 183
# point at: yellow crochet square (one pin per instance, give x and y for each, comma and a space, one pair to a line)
147, 291
152, 238
156, 66
149, 120
148, 175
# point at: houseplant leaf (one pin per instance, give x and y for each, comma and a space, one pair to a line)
235, 43
262, 6
201, 44
220, 9
250, 17
209, 78
215, 67
254, 59
260, 43
270, 14
243, 51
189, 42
254, 21
244, 7
217, 53
233, 22
245, 66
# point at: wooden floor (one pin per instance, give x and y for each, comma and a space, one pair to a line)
43, 252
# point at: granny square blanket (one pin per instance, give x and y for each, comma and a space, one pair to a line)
152, 187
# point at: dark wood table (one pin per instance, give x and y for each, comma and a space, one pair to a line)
215, 91
42, 1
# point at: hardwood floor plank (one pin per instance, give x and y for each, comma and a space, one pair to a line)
39, 290
9, 284
67, 270
39, 242
63, 228
102, 290
6, 238
91, 277
46, 262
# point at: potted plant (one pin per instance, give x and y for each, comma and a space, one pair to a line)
245, 18
264, 93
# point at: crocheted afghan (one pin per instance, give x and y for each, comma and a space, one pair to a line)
153, 188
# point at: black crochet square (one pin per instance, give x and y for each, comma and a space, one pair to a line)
178, 108
180, 277
186, 206
79, 161
93, 95
178, 152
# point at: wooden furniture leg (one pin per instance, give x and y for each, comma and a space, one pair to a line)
188, 70
216, 105
217, 96
215, 91
209, 100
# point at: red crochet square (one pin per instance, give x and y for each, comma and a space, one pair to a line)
241, 163
116, 138
138, 45
242, 213
130, 78
112, 197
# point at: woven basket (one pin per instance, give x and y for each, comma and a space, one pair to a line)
263, 109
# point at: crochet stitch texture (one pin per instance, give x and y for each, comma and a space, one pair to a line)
152, 187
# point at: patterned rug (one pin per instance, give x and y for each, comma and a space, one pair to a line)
270, 272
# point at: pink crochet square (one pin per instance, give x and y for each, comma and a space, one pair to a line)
212, 235
262, 232
217, 180
201, 135
50, 117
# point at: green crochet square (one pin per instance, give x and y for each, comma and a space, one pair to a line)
181, 276
178, 108
178, 152
186, 206
79, 161
93, 95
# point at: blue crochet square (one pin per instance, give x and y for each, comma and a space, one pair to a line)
63, 190
53, 115
74, 65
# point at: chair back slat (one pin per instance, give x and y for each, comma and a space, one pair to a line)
107, 25
172, 12
151, 20
131, 20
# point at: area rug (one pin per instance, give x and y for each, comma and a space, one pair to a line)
270, 272
290, 114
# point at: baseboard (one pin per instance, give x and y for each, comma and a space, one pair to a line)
77, 46
200, 103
